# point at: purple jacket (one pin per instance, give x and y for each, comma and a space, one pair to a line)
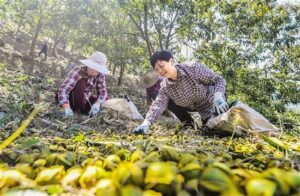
152, 91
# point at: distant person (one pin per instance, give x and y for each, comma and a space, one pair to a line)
75, 93
186, 87
151, 82
44, 50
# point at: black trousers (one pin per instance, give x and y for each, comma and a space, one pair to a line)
182, 113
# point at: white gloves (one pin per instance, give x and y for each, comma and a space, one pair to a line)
143, 128
94, 109
68, 112
220, 104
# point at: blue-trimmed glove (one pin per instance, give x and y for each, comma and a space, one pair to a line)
95, 109
220, 104
143, 128
68, 112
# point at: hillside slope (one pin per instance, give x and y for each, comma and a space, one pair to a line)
100, 155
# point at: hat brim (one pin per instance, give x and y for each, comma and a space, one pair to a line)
149, 79
96, 66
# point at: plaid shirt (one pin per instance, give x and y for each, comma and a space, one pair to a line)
194, 89
76, 74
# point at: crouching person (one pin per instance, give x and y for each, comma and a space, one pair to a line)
75, 93
151, 82
186, 88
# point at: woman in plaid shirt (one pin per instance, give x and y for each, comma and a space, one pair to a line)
75, 93
186, 87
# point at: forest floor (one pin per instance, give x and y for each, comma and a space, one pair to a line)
100, 155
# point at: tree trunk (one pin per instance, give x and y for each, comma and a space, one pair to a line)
72, 48
158, 30
64, 45
147, 39
114, 69
109, 66
170, 30
56, 41
36, 34
120, 79
142, 27
20, 24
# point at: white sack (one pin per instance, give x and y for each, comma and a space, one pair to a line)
124, 106
241, 117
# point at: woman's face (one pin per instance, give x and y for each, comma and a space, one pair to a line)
91, 72
166, 69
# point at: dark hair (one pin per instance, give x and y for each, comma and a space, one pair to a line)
162, 55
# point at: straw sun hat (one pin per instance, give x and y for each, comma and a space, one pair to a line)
96, 61
149, 79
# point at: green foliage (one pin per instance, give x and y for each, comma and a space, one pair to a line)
26, 143
3, 66
156, 22
253, 44
79, 137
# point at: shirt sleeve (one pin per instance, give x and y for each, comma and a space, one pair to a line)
158, 106
68, 85
207, 76
101, 87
